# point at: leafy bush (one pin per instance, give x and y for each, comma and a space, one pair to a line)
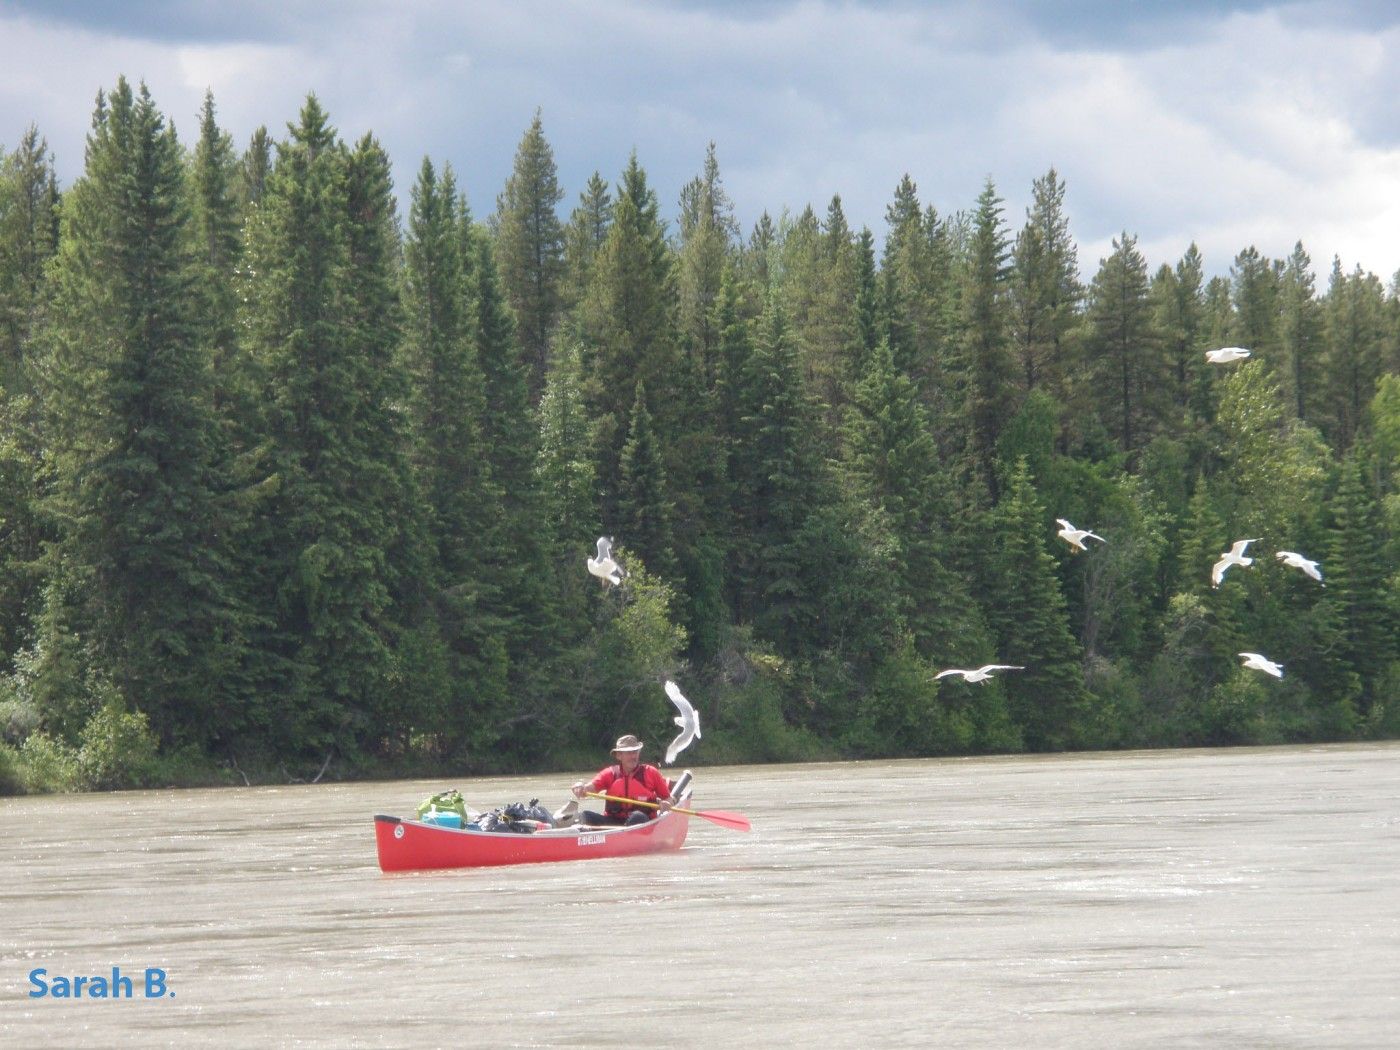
48, 764
11, 771
118, 749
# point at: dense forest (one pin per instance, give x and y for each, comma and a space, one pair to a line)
293, 485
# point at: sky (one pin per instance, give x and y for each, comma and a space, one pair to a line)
1230, 125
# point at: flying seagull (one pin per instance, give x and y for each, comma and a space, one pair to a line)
1226, 354
603, 566
1233, 556
981, 674
1076, 537
1260, 663
1297, 561
688, 720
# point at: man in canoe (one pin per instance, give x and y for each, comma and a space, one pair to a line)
629, 777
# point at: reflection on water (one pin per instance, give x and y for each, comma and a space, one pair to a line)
1193, 898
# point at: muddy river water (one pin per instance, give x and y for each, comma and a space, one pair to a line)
1221, 898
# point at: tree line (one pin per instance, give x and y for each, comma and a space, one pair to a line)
291, 483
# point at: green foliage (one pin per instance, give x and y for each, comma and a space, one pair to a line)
47, 765
1028, 611
530, 246
283, 487
986, 367
1129, 377
905, 714
118, 748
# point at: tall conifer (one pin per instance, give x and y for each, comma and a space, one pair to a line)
530, 248
142, 547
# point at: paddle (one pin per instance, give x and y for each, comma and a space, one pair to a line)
723, 818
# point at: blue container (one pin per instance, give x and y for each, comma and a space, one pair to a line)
443, 818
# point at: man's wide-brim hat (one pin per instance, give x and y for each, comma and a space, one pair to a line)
627, 743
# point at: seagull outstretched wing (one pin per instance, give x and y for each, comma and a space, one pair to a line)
688, 720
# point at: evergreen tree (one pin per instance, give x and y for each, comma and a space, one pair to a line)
1300, 332
29, 204
530, 248
28, 239
756, 260
644, 511
1131, 377
629, 327
774, 472
218, 230
1177, 309
446, 411
919, 298
446, 404
254, 168
987, 369
708, 230
511, 433
1355, 332
1047, 700
866, 308
1044, 290
1356, 579
1255, 281
583, 239
894, 463
141, 560
564, 469
340, 556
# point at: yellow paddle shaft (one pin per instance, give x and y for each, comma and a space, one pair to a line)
638, 802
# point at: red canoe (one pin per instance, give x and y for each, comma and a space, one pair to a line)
411, 845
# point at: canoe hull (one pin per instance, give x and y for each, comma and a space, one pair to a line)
411, 845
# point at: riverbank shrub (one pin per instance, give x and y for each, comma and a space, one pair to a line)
118, 749
11, 771
49, 765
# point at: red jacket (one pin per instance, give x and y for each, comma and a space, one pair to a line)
646, 784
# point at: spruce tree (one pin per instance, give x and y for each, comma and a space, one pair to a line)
530, 248
919, 305
708, 231
1355, 335
446, 404
29, 204
986, 370
446, 412
1131, 376
1177, 308
629, 328
141, 559
1044, 291
1357, 578
1255, 289
774, 472
894, 464
218, 229
349, 655
564, 468
1300, 331
511, 433
28, 239
1047, 700
254, 168
583, 239
645, 512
